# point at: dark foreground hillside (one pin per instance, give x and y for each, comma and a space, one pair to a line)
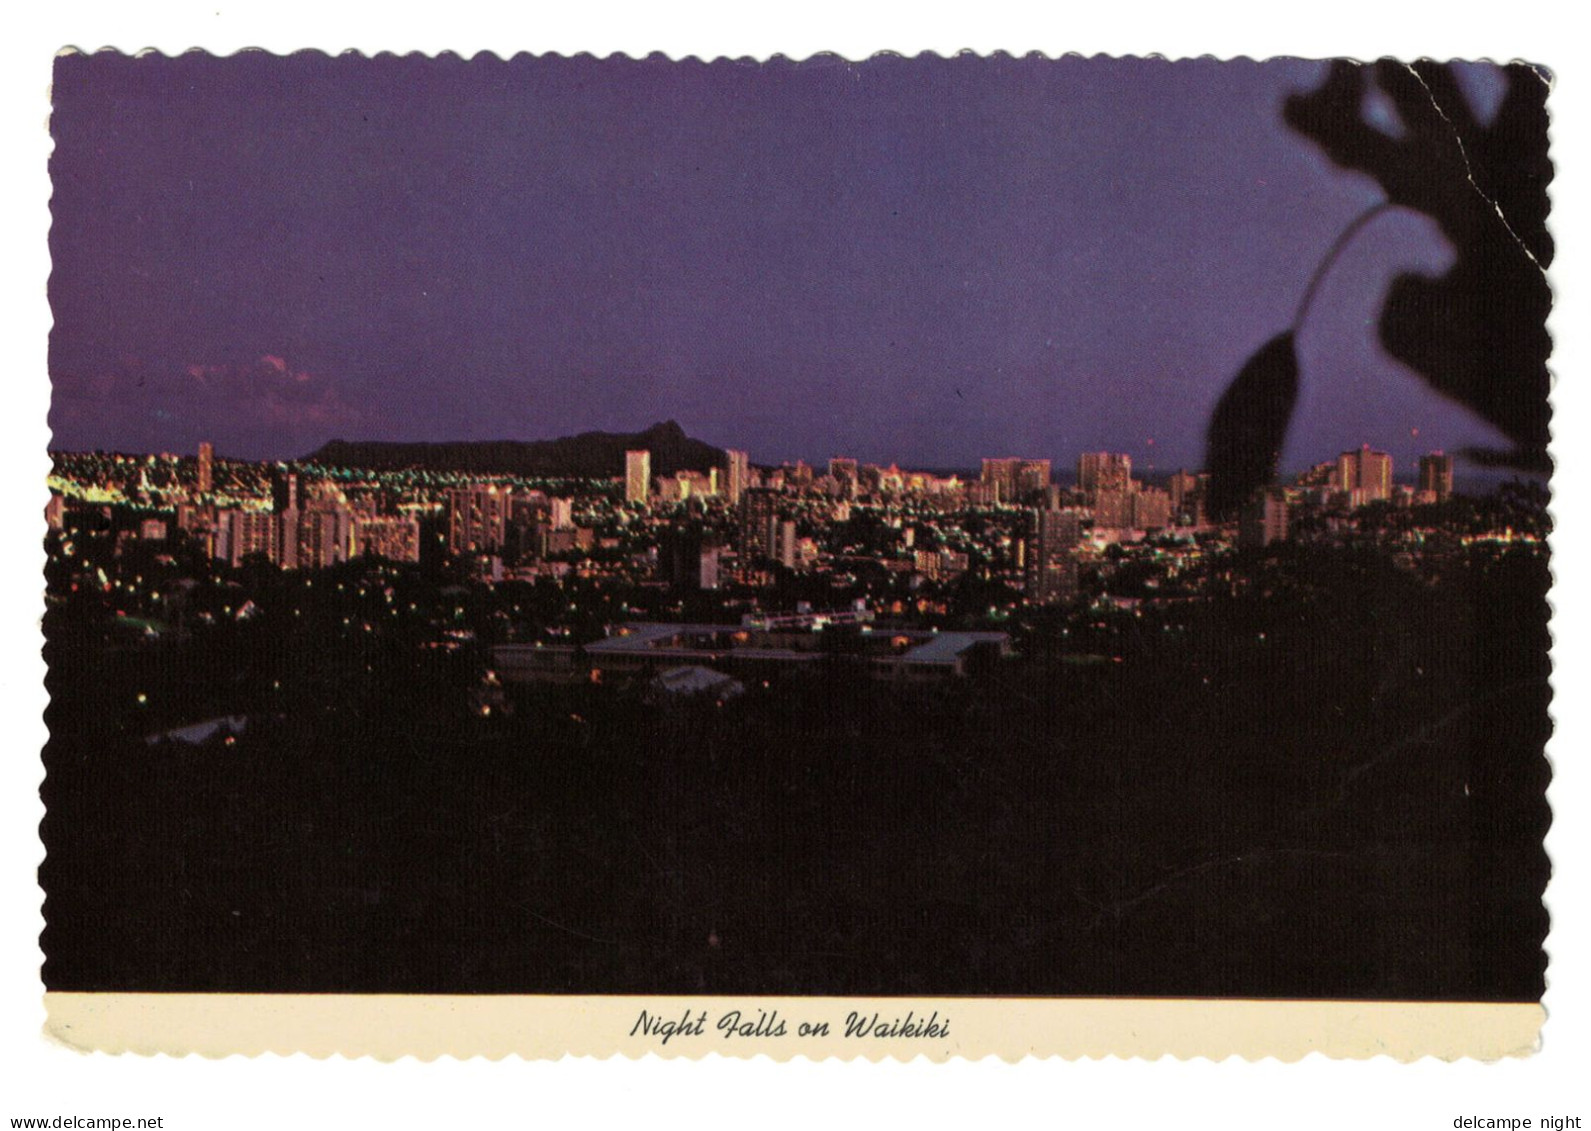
1328, 786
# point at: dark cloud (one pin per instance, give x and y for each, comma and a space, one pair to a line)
254, 407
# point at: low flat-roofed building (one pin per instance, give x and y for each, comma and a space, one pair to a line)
692, 681
197, 734
540, 663
942, 655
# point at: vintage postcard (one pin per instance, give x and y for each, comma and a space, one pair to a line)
925, 556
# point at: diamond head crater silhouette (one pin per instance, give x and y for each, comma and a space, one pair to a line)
588, 455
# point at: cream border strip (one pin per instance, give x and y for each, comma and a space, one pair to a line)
389, 1027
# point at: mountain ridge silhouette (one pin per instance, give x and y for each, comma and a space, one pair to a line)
586, 455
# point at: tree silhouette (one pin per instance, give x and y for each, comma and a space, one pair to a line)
1477, 334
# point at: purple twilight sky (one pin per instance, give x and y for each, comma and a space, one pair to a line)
921, 260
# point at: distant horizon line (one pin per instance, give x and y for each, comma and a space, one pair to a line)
1063, 470
672, 424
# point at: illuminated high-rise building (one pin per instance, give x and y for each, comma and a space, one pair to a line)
1113, 509
981, 494
674, 488
326, 538
1151, 509
206, 467
1103, 471
287, 537
786, 548
1015, 478
1187, 497
246, 533
708, 575
1032, 477
477, 519
1436, 475
739, 477
1324, 475
1366, 471
387, 536
759, 525
1050, 561
637, 477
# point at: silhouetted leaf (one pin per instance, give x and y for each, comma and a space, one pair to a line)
1246, 432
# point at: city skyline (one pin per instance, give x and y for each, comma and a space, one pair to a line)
1067, 469
728, 477
960, 256
519, 526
